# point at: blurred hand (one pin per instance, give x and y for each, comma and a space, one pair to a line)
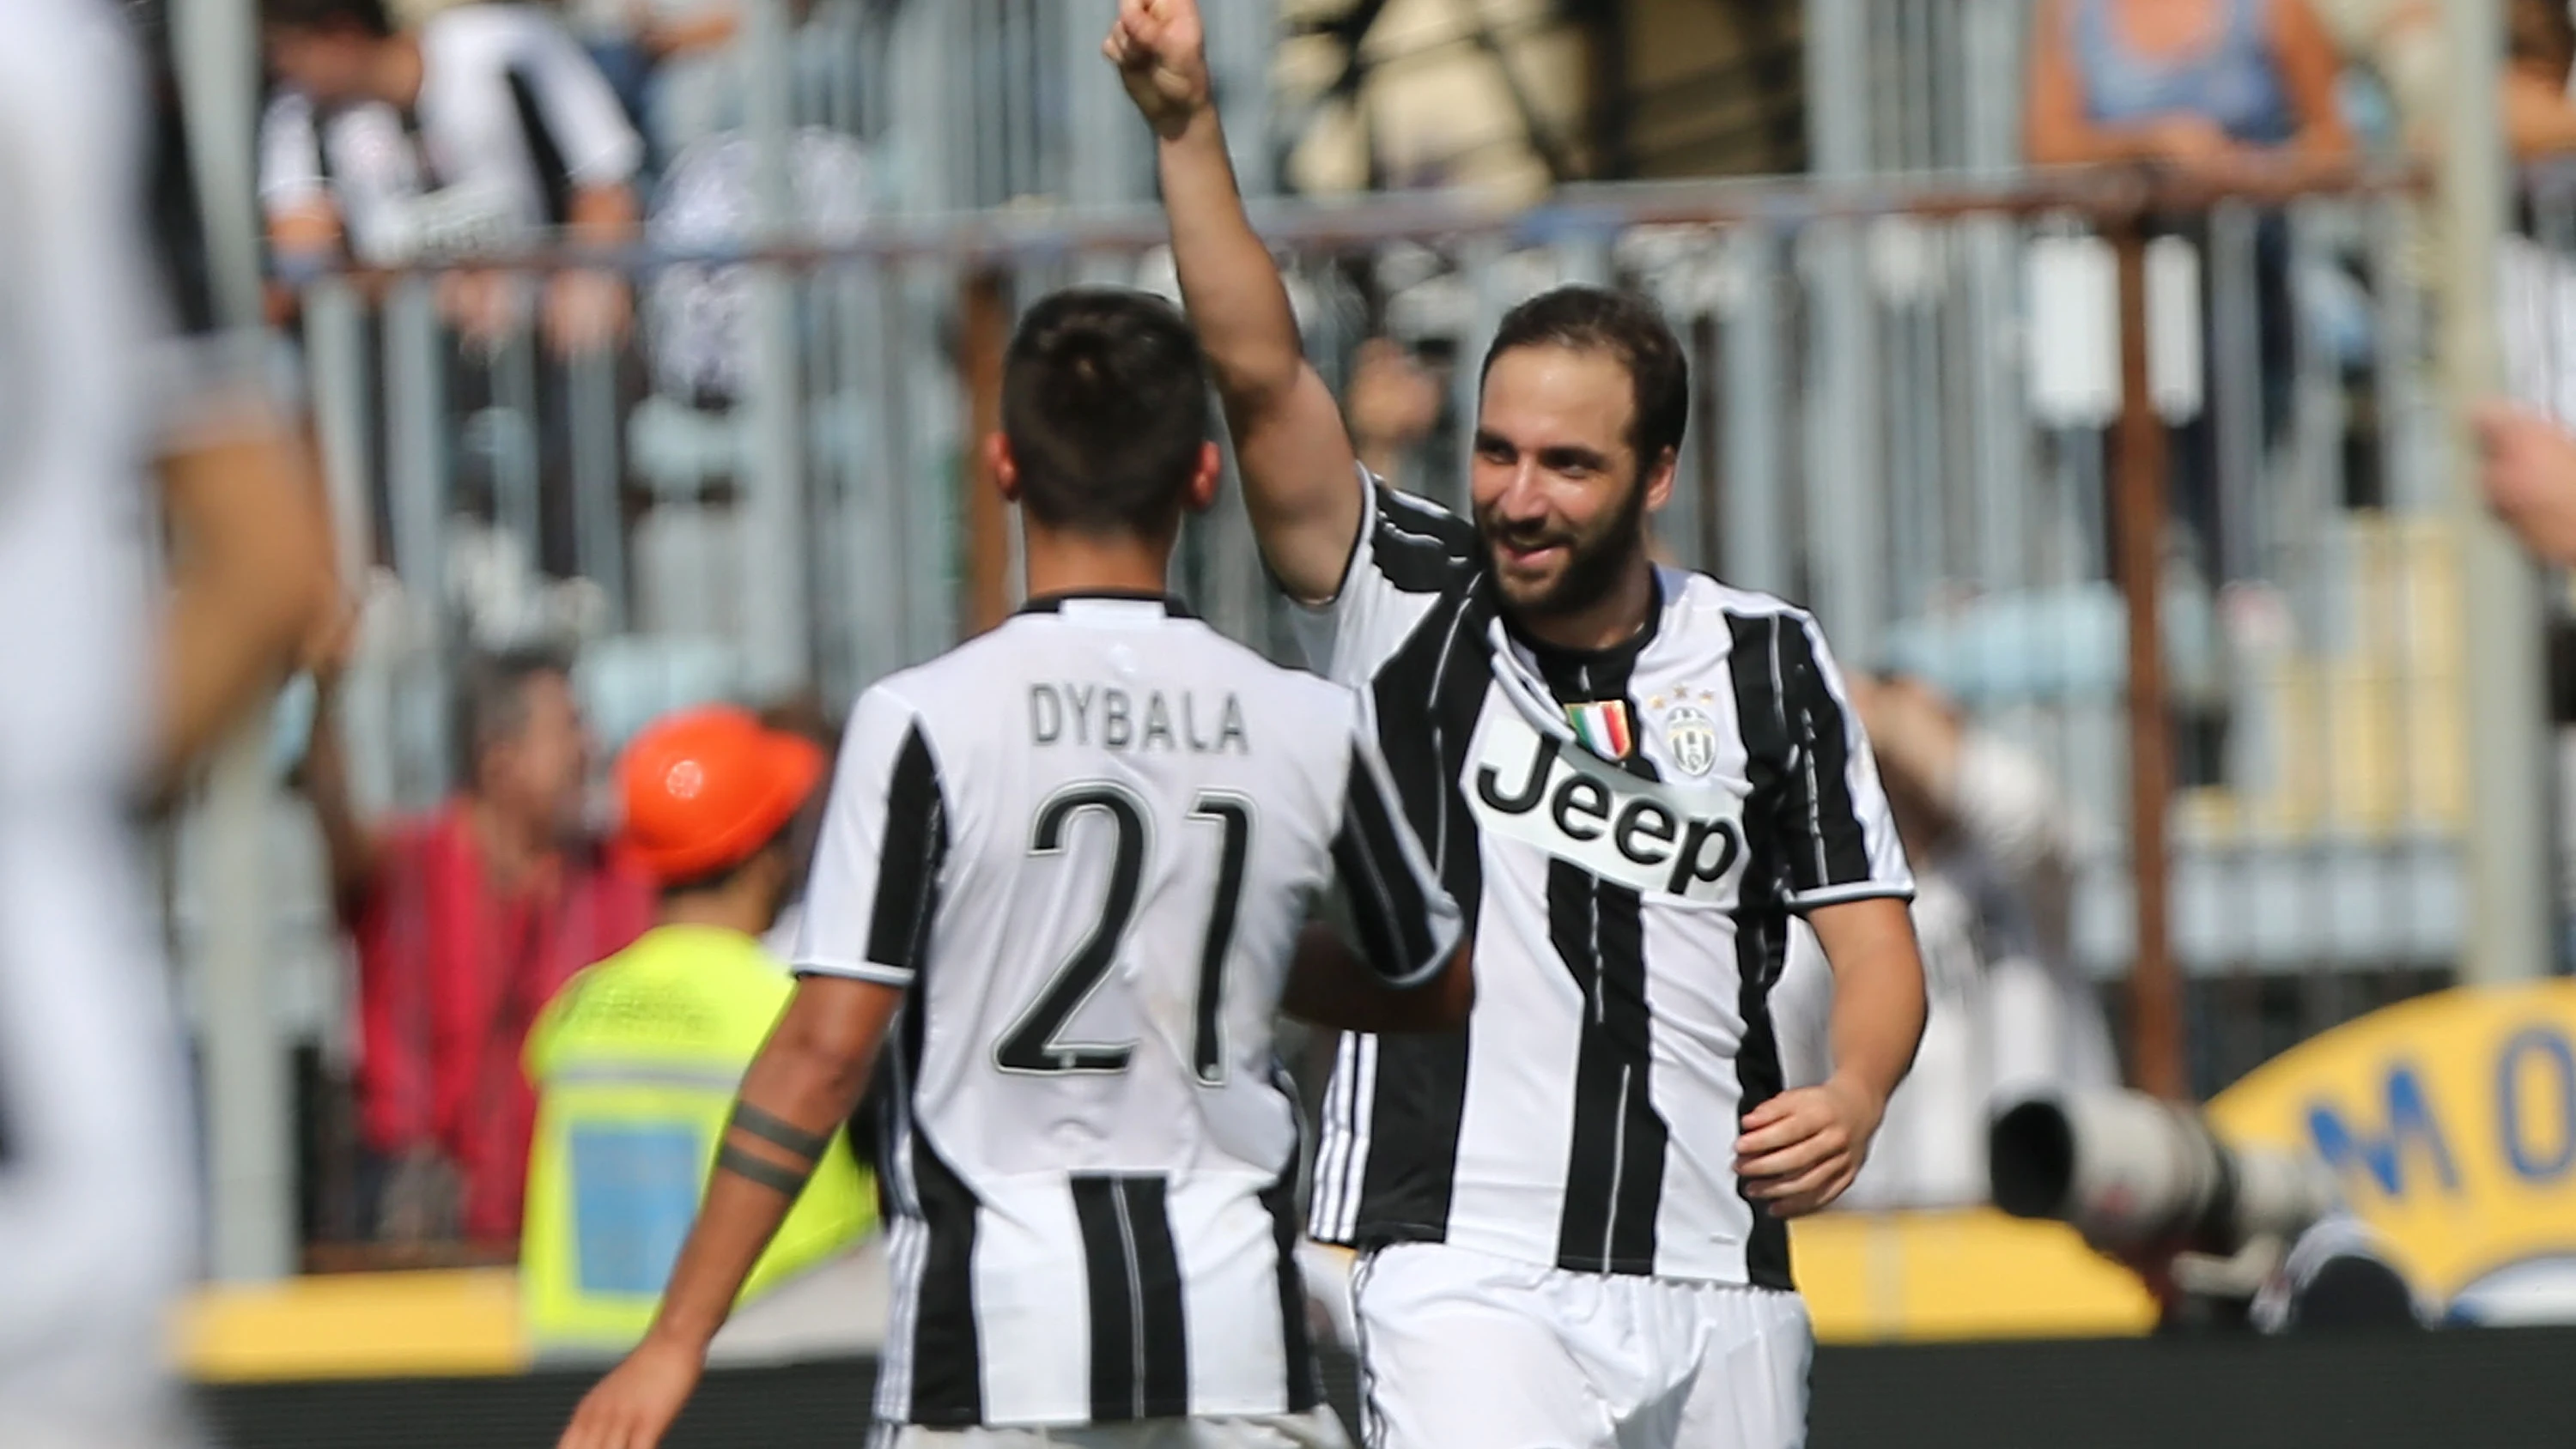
1392, 399
2529, 474
586, 312
2190, 141
1160, 50
1801, 1149
483, 306
1912, 729
633, 1407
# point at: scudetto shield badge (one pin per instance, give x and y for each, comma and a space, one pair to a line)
1691, 739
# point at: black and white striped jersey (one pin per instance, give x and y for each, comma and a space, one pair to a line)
1085, 844
1629, 832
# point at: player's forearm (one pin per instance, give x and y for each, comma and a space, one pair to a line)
1329, 985
799, 1092
1877, 1021
1229, 282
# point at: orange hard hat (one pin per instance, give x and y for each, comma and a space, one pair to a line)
706, 788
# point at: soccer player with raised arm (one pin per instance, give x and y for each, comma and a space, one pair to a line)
1571, 1212
1072, 861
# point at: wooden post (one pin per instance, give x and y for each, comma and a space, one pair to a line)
2138, 509
986, 336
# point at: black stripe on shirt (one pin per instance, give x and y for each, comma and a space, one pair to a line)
1140, 1365
908, 862
1761, 948
1418, 547
1429, 695
947, 1359
947, 1347
1389, 911
1614, 1178
1762, 919
1833, 851
1166, 1377
1279, 1200
1114, 1349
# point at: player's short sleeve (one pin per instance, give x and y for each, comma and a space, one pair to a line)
874, 893
1404, 922
1841, 842
599, 146
290, 154
1408, 553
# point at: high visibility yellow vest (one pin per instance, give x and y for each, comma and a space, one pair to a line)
636, 1063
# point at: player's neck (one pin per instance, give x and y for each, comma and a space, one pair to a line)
1615, 618
1076, 563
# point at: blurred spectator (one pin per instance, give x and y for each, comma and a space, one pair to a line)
466, 921
674, 63
2540, 39
1393, 402
2010, 1014
2217, 90
481, 126
2198, 84
637, 1061
2401, 42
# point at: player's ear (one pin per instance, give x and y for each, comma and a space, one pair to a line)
1657, 479
1204, 479
1005, 468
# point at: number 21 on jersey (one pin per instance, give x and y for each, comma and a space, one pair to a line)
1035, 1043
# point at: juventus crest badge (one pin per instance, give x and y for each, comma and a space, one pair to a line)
1690, 738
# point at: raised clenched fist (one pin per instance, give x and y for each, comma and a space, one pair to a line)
1160, 50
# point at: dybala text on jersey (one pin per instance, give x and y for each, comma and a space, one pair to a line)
1111, 718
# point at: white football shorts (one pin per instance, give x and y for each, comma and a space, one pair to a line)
1318, 1428
1463, 1348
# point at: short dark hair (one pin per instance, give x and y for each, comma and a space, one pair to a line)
492, 701
366, 15
1105, 406
1625, 325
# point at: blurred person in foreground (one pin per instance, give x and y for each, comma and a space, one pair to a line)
637, 1060
1571, 1212
97, 1181
2010, 1014
478, 128
1077, 855
467, 920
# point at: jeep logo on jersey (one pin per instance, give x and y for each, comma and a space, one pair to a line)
1622, 828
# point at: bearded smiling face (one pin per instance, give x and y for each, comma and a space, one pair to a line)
1559, 500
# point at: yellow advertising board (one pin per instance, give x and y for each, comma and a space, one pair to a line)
2450, 1121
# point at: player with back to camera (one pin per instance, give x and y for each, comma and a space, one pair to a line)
98, 706
1075, 856
1570, 1211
